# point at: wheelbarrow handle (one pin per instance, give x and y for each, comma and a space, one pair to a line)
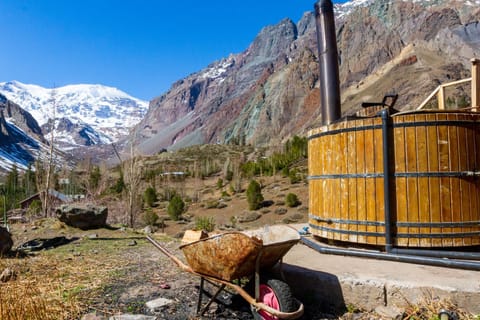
165, 251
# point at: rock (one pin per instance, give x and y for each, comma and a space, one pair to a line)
132, 317
148, 230
84, 217
6, 241
158, 303
249, 216
7, 275
389, 312
281, 211
92, 316
132, 243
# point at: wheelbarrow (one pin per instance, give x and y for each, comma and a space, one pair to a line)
224, 259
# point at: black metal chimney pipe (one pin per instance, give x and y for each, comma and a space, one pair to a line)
328, 61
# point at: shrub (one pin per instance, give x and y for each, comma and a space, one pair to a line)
294, 176
205, 223
225, 194
219, 183
229, 175
150, 196
35, 208
291, 200
150, 217
210, 204
175, 208
254, 195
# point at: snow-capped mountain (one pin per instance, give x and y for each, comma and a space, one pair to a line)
21, 139
85, 114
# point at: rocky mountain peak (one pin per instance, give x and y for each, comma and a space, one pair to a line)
272, 41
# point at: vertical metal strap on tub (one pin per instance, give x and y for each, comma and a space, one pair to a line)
386, 180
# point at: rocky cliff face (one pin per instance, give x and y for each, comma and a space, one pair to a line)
269, 92
18, 117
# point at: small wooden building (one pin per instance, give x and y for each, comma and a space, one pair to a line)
56, 198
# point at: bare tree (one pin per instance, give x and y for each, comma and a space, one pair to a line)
44, 171
132, 171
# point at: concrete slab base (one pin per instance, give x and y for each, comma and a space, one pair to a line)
338, 281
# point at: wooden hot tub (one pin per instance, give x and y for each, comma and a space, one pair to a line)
433, 186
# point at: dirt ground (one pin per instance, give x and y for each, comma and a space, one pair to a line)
116, 270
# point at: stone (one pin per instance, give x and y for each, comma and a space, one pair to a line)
148, 230
156, 304
132, 317
6, 241
82, 216
389, 312
8, 275
92, 316
248, 216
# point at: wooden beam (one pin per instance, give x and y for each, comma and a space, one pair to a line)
475, 84
441, 98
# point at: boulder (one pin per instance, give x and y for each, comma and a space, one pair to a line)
6, 241
83, 216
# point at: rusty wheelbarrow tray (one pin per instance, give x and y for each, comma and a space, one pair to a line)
229, 256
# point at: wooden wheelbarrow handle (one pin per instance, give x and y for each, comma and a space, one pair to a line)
259, 305
165, 251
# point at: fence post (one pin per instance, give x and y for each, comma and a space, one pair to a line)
475, 84
441, 98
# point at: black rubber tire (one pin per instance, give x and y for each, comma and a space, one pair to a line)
283, 294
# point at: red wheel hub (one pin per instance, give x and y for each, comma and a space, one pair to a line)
267, 296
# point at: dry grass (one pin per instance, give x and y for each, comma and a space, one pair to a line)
58, 284
37, 292
431, 307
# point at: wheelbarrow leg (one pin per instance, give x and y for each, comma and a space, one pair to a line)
209, 303
200, 294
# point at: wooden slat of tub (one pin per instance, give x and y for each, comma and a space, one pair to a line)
334, 192
379, 187
313, 151
464, 189
433, 182
343, 163
475, 185
400, 182
444, 166
412, 182
326, 184
455, 195
361, 201
423, 195
352, 183
320, 193
370, 182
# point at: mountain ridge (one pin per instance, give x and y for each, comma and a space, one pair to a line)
107, 112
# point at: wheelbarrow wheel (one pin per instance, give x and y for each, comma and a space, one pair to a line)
277, 295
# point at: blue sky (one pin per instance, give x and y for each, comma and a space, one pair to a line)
138, 46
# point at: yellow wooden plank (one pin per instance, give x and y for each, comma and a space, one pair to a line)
352, 183
422, 167
412, 185
343, 192
400, 182
379, 187
370, 182
455, 193
444, 166
361, 169
433, 182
